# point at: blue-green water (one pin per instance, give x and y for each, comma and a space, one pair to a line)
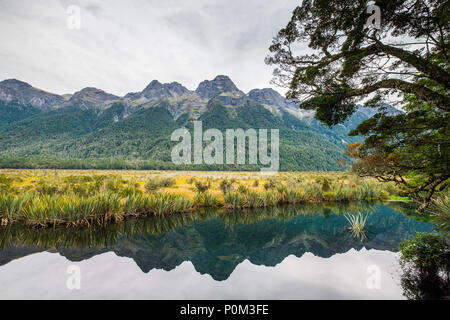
285, 253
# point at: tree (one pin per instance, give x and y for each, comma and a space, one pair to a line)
425, 262
350, 61
411, 149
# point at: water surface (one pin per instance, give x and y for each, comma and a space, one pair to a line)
303, 252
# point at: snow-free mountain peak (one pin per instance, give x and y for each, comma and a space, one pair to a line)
25, 94
211, 88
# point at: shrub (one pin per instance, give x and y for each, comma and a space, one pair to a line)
425, 262
201, 187
314, 192
254, 200
326, 185
440, 211
44, 188
293, 196
269, 185
281, 189
428, 252
242, 189
329, 196
226, 186
343, 194
234, 200
269, 199
130, 190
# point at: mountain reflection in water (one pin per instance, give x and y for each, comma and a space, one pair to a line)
216, 243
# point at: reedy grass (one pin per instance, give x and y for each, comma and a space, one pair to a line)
235, 200
53, 209
206, 200
159, 182
45, 210
357, 224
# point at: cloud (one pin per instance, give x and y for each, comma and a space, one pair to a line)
123, 45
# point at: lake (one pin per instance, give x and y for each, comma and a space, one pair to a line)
294, 252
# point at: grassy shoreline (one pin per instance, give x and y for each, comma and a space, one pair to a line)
49, 198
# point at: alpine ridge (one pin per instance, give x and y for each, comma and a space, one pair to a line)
95, 129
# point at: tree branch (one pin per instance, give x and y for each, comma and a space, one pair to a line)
439, 101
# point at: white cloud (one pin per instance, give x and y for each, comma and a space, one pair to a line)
123, 45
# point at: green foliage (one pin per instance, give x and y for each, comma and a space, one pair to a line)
426, 251
11, 112
440, 211
206, 199
409, 149
235, 200
242, 189
326, 185
78, 138
425, 261
269, 185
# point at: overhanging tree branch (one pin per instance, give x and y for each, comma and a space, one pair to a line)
439, 101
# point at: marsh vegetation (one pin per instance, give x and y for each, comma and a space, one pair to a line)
64, 197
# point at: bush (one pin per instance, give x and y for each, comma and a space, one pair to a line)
269, 185
329, 196
326, 185
157, 183
242, 189
426, 251
201, 187
226, 186
281, 189
425, 261
235, 200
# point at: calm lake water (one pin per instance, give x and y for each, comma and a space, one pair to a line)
302, 252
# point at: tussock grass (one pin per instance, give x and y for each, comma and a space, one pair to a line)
73, 197
357, 224
159, 182
47, 210
206, 200
440, 212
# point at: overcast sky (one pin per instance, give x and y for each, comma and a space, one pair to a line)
124, 44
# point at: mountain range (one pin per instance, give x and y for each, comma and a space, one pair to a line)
95, 129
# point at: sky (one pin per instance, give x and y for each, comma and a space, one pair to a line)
122, 45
